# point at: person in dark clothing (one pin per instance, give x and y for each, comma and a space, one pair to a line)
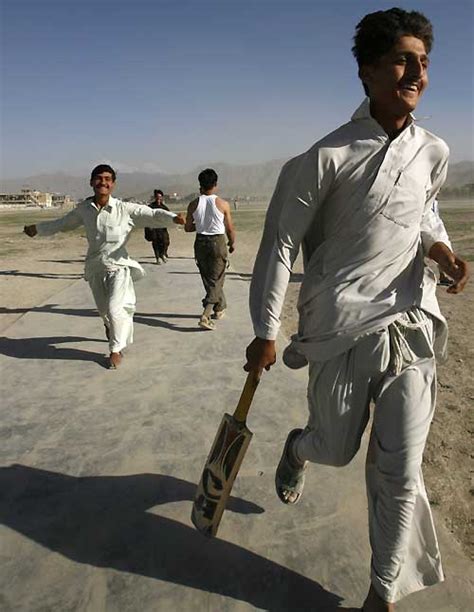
158, 236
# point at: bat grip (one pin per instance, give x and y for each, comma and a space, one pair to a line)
246, 397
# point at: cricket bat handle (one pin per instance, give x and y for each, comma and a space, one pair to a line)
246, 397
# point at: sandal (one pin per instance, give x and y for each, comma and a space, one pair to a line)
206, 323
288, 478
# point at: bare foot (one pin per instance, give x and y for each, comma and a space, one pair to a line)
374, 603
115, 360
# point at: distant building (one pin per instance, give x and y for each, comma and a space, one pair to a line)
62, 200
31, 197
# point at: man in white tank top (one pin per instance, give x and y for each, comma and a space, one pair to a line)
209, 216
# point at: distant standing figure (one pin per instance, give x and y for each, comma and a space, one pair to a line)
210, 217
109, 270
158, 236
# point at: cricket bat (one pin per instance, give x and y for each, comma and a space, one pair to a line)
223, 463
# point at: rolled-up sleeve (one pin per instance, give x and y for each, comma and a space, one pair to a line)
69, 222
290, 213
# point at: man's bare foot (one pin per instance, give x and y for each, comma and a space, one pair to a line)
374, 603
115, 360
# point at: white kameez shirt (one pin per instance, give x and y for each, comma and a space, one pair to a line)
361, 206
108, 230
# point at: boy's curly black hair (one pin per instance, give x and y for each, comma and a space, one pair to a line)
377, 33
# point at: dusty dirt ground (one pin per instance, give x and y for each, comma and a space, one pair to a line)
35, 270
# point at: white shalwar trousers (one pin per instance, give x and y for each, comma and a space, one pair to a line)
395, 369
115, 299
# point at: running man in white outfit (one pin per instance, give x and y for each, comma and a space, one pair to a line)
360, 204
209, 216
108, 268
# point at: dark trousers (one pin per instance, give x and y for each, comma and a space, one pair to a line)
160, 242
211, 258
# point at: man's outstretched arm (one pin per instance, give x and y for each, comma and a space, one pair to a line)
69, 222
144, 216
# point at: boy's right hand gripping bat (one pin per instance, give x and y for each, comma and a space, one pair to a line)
226, 455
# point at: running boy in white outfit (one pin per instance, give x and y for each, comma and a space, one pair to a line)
108, 268
360, 204
209, 216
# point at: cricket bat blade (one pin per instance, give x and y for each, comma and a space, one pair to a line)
223, 463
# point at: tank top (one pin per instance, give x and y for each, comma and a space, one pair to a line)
208, 219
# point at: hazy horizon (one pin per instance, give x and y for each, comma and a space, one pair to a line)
84, 175
130, 170
161, 86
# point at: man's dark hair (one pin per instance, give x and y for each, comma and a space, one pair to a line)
103, 168
207, 179
378, 32
158, 192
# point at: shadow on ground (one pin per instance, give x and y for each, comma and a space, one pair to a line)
44, 348
151, 259
62, 261
105, 521
38, 275
52, 309
151, 319
154, 320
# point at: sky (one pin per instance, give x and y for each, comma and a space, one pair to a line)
167, 85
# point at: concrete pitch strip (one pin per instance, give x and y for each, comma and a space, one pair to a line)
99, 469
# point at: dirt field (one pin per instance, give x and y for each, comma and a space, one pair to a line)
33, 271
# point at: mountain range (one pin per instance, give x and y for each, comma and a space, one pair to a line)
249, 180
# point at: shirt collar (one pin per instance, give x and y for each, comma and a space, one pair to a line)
363, 112
108, 207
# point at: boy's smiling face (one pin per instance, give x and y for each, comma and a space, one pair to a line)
397, 80
103, 184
